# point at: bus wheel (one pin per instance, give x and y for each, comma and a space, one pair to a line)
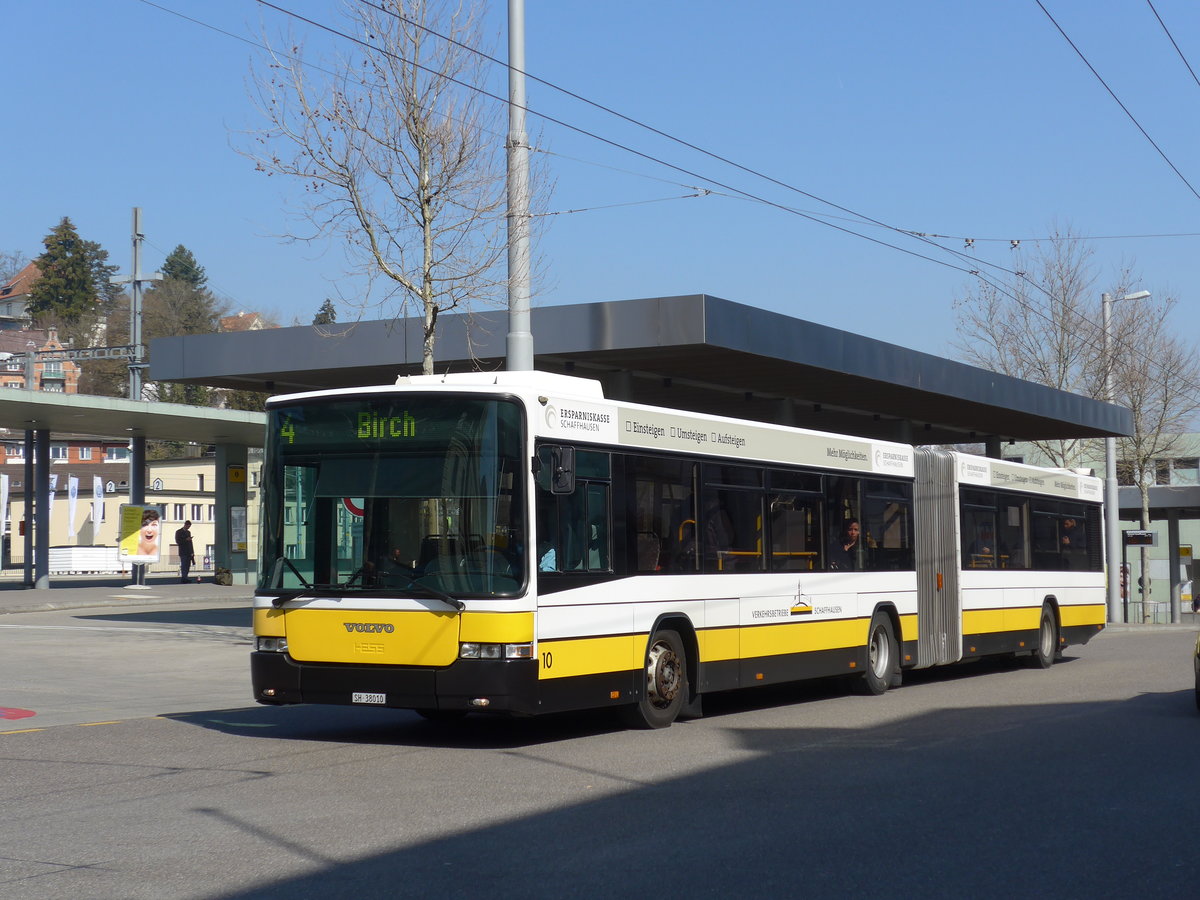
882, 656
666, 687
1047, 644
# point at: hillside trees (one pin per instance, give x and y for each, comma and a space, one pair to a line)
397, 158
181, 304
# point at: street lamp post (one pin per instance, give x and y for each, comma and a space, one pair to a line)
1111, 510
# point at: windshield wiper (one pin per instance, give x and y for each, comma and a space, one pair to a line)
310, 591
438, 593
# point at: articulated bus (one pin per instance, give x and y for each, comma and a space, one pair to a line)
517, 543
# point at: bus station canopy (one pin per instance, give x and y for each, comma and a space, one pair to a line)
696, 352
22, 410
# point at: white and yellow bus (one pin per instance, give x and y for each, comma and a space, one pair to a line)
515, 542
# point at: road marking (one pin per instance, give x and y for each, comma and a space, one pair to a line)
9, 712
23, 731
90, 724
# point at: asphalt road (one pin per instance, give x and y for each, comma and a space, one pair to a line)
147, 773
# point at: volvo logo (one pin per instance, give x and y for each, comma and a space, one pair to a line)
369, 627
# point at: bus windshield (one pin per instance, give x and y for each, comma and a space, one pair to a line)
402, 494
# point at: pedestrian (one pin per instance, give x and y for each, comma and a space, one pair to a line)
187, 554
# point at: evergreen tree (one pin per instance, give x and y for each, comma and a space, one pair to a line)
180, 305
74, 284
326, 315
181, 265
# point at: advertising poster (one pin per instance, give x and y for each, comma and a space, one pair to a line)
139, 533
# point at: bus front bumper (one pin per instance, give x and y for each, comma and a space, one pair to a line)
467, 684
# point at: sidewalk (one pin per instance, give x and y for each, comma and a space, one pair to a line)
83, 592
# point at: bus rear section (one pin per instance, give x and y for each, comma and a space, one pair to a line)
1010, 559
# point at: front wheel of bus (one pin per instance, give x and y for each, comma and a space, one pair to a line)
666, 685
882, 656
1047, 644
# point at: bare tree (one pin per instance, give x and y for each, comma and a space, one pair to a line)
399, 159
1157, 377
11, 263
1042, 328
1046, 329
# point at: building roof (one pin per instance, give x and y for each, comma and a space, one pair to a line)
20, 283
693, 352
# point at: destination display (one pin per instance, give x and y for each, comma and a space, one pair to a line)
387, 422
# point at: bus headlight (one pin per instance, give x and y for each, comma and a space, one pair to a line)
271, 644
495, 651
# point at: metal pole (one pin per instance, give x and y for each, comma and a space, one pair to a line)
137, 454
135, 310
520, 338
41, 544
29, 502
1111, 510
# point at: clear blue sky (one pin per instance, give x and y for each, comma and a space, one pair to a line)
963, 119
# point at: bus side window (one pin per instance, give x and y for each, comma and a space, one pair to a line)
573, 533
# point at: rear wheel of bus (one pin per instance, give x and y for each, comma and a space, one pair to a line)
665, 688
883, 656
1047, 640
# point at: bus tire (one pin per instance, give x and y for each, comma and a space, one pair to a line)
665, 690
1047, 639
883, 656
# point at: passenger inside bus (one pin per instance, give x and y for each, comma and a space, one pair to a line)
845, 551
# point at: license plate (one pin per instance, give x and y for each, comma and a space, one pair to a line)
359, 697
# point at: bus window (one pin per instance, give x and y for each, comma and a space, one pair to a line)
795, 531
664, 515
573, 531
732, 527
845, 546
887, 514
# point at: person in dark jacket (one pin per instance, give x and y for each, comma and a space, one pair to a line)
187, 554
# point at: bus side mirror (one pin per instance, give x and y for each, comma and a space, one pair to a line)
562, 471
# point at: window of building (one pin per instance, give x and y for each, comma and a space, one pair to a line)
1185, 470
1162, 471
196, 510
116, 454
16, 451
85, 453
212, 512
177, 512
200, 482
58, 451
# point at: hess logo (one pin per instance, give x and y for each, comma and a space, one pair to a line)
369, 627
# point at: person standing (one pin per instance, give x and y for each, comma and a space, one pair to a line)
187, 554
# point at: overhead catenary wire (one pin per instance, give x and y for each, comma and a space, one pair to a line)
1124, 108
973, 263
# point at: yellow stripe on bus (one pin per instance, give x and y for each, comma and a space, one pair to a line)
590, 656
1094, 614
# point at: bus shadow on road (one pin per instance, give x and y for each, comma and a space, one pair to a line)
217, 616
397, 727
394, 727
